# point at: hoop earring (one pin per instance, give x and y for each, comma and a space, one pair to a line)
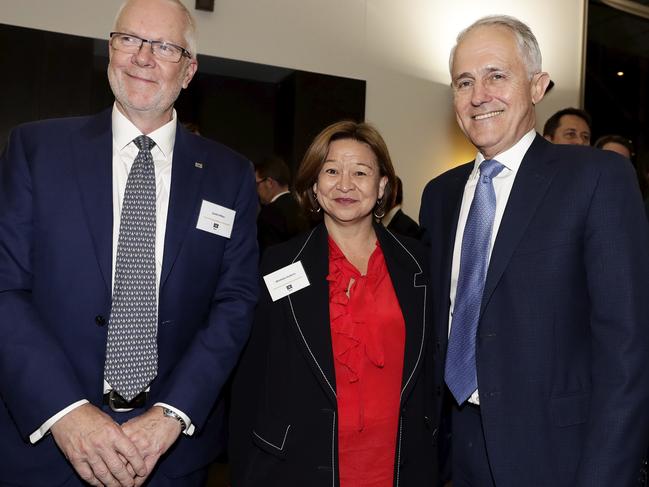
315, 204
379, 211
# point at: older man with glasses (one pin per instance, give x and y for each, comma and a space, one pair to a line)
128, 274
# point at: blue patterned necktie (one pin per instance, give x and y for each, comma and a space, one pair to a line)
460, 370
131, 349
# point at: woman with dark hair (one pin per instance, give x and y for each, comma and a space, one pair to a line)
333, 388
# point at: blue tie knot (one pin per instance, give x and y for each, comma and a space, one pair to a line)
490, 168
146, 143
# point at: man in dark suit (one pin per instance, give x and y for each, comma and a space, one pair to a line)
280, 217
128, 275
397, 221
540, 253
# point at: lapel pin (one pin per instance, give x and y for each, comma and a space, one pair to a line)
199, 165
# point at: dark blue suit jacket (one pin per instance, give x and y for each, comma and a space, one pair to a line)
563, 338
55, 286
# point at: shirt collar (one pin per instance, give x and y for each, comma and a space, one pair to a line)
278, 195
124, 131
512, 157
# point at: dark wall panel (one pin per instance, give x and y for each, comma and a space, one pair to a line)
256, 109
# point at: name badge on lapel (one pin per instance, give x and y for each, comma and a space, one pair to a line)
216, 219
286, 280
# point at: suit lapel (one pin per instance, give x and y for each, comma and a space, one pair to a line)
532, 181
183, 199
406, 276
309, 309
92, 151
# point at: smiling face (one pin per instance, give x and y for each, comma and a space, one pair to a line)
145, 87
349, 183
494, 96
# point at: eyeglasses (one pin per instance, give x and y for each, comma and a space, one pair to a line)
261, 181
162, 50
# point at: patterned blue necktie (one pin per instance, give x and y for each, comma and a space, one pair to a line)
460, 370
131, 349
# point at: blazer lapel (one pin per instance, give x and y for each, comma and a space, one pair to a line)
309, 309
183, 199
92, 151
532, 181
406, 275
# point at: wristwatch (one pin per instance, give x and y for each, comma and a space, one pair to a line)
173, 414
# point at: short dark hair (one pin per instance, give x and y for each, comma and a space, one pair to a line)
553, 122
274, 167
316, 154
618, 139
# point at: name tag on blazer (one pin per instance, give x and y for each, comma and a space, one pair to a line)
216, 219
286, 280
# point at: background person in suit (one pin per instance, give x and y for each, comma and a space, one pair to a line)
95, 210
280, 216
568, 126
333, 388
543, 269
397, 221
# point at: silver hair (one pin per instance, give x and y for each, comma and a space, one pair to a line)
527, 43
190, 29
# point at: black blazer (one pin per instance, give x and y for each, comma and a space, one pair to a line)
284, 414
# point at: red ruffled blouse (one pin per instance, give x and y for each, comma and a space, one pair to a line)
368, 339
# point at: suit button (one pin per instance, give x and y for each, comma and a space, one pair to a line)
100, 320
438, 390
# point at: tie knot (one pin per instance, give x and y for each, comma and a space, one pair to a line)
490, 168
143, 142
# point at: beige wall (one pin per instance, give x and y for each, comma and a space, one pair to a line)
400, 47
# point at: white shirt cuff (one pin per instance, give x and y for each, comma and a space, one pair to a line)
190, 428
45, 427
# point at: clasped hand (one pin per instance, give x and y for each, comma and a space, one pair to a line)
105, 453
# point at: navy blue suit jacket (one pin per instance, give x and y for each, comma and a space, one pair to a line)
563, 337
55, 287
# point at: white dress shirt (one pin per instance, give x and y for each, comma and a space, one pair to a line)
503, 184
124, 153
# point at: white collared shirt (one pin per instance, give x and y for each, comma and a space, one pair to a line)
124, 153
503, 184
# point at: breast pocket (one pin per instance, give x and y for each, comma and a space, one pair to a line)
272, 438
